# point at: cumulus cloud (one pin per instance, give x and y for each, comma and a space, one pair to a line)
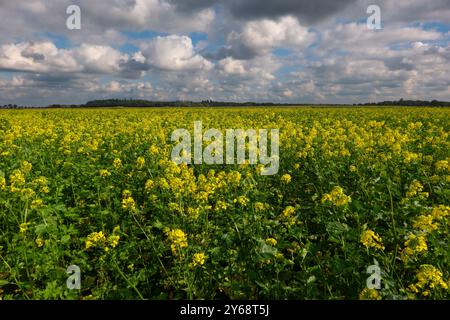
174, 53
260, 69
259, 37
356, 37
101, 20
276, 50
45, 57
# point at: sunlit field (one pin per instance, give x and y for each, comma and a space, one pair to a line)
96, 188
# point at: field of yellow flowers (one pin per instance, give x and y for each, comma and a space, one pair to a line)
97, 189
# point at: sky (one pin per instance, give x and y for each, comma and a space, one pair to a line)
290, 51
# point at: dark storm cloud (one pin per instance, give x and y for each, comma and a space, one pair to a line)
306, 10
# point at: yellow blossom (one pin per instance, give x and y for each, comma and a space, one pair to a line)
36, 203
286, 179
23, 227
117, 163
337, 197
149, 185
2, 183
371, 240
242, 200
177, 238
40, 242
425, 223
288, 211
128, 203
428, 278
369, 294
415, 189
26, 167
104, 173
440, 212
443, 165
17, 178
95, 239
259, 207
154, 150
199, 259
140, 162
414, 244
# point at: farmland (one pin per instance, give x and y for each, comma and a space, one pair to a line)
96, 188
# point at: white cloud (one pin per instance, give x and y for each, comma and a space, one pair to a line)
174, 53
259, 37
232, 66
101, 20
357, 37
259, 69
139, 88
45, 57
99, 59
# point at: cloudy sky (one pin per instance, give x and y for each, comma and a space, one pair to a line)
307, 51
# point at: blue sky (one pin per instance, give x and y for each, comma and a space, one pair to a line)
279, 50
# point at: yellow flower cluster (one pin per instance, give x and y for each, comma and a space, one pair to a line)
95, 239
26, 167
149, 185
221, 206
37, 203
415, 189
259, 207
40, 242
337, 197
140, 162
199, 259
154, 150
17, 180
271, 241
42, 184
117, 163
414, 245
425, 223
371, 240
177, 239
369, 294
2, 183
440, 212
443, 165
428, 278
128, 201
242, 200
104, 173
286, 178
289, 211
99, 239
23, 227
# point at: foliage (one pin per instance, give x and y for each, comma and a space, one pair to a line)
97, 189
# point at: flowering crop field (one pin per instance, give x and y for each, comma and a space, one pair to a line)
96, 188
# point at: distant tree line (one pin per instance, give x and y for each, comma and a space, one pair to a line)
111, 103
409, 103
146, 103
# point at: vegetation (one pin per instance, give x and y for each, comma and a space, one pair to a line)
96, 188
